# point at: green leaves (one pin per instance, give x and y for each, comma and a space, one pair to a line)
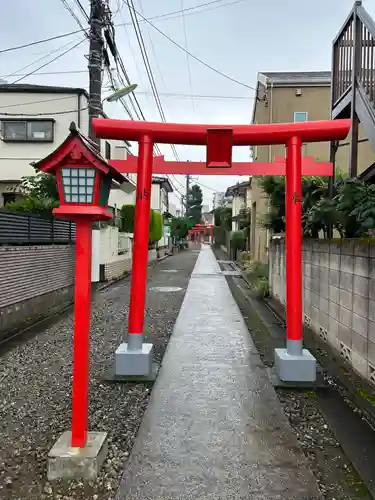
351, 211
179, 228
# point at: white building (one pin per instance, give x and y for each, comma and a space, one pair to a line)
218, 199
35, 120
161, 187
241, 198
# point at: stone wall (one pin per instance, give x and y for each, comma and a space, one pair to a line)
339, 296
35, 281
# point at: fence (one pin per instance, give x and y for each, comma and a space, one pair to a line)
18, 229
338, 296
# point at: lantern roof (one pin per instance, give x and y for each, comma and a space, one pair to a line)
77, 147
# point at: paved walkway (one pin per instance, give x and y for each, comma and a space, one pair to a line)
214, 428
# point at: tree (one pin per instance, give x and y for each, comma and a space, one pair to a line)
223, 217
41, 186
40, 195
179, 228
194, 204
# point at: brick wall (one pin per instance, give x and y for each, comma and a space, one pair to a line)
34, 281
339, 296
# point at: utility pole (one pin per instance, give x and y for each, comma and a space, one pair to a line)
97, 17
188, 178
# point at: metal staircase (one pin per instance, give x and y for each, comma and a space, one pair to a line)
353, 77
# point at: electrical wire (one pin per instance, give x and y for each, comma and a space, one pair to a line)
74, 16
82, 9
49, 62
16, 73
187, 55
191, 10
44, 40
224, 75
153, 50
34, 102
146, 61
63, 35
50, 113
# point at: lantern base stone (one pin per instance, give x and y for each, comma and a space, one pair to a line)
133, 361
295, 367
65, 462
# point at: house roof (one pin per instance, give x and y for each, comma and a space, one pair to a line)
288, 79
240, 186
78, 142
295, 77
164, 182
40, 89
46, 89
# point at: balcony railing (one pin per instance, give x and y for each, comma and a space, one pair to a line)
354, 56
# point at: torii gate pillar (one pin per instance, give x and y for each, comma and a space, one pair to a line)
293, 364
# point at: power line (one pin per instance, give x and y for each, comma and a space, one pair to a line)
50, 113
63, 35
82, 9
49, 62
146, 61
34, 102
224, 75
16, 73
187, 55
74, 16
44, 40
188, 11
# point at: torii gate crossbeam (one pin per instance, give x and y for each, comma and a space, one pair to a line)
277, 167
293, 364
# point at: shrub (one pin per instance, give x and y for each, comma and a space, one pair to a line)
255, 269
156, 227
261, 287
237, 239
128, 216
31, 205
156, 222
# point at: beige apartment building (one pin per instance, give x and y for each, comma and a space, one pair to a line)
289, 97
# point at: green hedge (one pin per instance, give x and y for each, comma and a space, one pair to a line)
156, 222
156, 227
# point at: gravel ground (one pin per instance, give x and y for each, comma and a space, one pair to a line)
35, 401
336, 477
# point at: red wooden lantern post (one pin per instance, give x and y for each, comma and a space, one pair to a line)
84, 179
293, 363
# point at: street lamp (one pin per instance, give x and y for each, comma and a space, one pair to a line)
84, 179
118, 94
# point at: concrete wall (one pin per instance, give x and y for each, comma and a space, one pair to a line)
34, 282
339, 296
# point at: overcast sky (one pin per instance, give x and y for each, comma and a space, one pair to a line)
237, 37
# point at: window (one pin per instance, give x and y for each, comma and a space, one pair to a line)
9, 198
78, 184
300, 116
27, 130
107, 150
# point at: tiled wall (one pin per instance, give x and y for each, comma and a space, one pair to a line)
339, 295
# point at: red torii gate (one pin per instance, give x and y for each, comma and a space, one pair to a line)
293, 363
198, 229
